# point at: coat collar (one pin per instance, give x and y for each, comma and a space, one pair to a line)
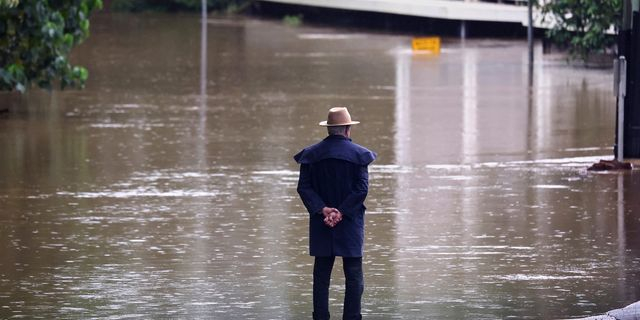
336, 137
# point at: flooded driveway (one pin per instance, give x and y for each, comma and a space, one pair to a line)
166, 189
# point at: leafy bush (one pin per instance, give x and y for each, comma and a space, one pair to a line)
292, 20
36, 38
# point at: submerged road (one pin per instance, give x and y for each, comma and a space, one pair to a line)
167, 189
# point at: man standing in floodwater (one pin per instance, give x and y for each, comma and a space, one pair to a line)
333, 183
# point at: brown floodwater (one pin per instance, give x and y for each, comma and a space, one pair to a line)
166, 188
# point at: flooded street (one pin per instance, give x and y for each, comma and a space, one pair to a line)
167, 191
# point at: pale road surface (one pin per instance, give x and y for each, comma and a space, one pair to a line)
630, 312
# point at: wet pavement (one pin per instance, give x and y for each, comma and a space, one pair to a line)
166, 188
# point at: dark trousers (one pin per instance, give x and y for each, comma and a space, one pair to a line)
354, 287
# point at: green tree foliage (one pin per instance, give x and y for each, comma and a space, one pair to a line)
581, 25
36, 37
177, 5
8, 3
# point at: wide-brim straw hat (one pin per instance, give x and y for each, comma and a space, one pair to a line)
338, 116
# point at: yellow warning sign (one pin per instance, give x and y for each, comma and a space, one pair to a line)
426, 44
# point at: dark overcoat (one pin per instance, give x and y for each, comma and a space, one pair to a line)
333, 173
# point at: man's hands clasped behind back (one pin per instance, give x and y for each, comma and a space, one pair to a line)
332, 216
